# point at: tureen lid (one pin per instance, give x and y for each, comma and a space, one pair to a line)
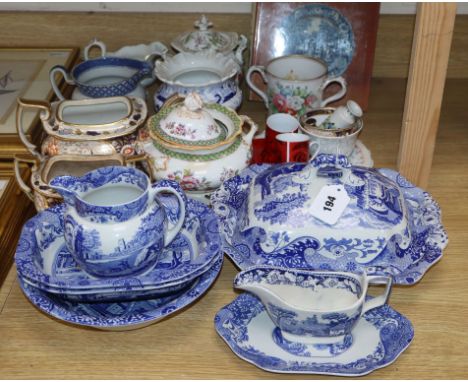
205, 39
190, 123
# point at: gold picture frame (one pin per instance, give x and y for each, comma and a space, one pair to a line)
24, 72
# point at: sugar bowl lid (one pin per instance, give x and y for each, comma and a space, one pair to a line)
190, 124
205, 39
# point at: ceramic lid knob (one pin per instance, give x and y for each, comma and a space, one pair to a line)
203, 24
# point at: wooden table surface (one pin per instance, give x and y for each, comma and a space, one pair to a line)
186, 346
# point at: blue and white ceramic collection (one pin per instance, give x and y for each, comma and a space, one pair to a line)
114, 224
377, 340
121, 253
309, 304
55, 271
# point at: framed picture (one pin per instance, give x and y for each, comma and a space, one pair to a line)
343, 35
15, 209
25, 73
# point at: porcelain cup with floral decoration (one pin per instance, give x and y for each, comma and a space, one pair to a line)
295, 84
307, 304
114, 224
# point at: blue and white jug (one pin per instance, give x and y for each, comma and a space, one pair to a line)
114, 223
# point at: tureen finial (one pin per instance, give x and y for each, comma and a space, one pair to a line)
193, 102
203, 24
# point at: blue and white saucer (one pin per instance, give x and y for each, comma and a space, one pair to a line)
407, 266
43, 260
378, 339
121, 315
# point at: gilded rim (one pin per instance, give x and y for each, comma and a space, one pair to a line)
197, 157
317, 59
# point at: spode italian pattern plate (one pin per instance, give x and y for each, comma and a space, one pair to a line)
380, 336
120, 315
43, 259
407, 264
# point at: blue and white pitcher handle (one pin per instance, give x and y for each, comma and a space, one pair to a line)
68, 79
174, 222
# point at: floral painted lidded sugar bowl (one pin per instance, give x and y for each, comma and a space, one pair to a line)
227, 43
197, 145
212, 75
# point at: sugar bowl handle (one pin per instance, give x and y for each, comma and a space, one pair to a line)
175, 220
95, 43
339, 94
19, 179
44, 107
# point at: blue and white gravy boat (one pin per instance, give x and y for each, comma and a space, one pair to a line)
113, 217
313, 306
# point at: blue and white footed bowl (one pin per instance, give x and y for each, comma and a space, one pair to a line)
113, 217
390, 227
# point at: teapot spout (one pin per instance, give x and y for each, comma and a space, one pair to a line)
62, 184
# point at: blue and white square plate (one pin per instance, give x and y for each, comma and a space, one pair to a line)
43, 260
119, 316
407, 264
380, 336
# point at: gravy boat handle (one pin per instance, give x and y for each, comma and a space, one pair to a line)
382, 298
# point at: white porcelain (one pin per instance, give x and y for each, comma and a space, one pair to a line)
76, 122
204, 39
295, 84
212, 75
191, 122
311, 305
343, 116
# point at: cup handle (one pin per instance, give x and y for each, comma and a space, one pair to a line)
340, 94
261, 70
381, 299
95, 43
66, 76
22, 104
171, 187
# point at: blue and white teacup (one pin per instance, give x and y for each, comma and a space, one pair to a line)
307, 304
113, 217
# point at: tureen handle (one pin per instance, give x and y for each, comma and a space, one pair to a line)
97, 43
248, 137
19, 179
174, 222
44, 106
68, 79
